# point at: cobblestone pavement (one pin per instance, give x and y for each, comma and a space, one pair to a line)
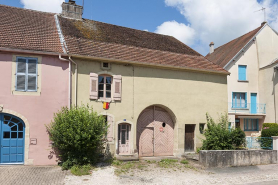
29, 175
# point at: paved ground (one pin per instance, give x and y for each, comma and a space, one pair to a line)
30, 175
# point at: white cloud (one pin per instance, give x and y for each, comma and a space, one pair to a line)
145, 30
221, 21
180, 31
43, 5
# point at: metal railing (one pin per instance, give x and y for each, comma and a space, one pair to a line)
259, 143
247, 108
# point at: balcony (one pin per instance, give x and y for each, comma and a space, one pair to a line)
247, 108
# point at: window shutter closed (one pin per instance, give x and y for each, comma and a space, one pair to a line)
110, 130
93, 86
117, 81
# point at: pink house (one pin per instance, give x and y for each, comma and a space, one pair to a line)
34, 85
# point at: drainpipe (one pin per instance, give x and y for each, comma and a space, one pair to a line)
63, 59
76, 69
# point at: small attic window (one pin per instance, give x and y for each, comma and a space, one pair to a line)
105, 65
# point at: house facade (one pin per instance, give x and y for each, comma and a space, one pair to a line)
34, 85
154, 90
252, 90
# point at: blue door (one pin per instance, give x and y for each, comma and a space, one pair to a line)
253, 103
12, 131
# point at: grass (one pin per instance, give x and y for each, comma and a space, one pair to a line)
184, 161
167, 163
81, 170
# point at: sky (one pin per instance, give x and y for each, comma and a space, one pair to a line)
193, 22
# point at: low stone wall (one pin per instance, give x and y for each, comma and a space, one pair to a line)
225, 158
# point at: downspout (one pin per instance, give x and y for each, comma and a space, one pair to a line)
63, 59
76, 70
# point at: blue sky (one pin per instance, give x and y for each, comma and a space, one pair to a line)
194, 22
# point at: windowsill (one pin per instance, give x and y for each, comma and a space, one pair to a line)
239, 108
251, 131
108, 100
243, 81
28, 93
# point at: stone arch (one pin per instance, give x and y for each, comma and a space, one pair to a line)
27, 161
155, 131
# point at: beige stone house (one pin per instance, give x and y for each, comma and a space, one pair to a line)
154, 90
252, 85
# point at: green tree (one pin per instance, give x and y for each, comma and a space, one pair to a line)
78, 134
220, 137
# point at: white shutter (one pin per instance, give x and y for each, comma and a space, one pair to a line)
21, 74
117, 83
110, 131
93, 86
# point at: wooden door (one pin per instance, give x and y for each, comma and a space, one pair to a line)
123, 139
189, 138
147, 142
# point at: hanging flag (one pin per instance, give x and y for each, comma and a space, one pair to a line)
106, 105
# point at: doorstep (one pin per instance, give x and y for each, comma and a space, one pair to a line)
133, 157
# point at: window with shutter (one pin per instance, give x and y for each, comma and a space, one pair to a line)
26, 74
242, 72
93, 86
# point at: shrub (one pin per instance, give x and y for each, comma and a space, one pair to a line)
269, 125
220, 137
78, 134
271, 131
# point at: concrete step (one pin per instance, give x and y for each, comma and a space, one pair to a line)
191, 155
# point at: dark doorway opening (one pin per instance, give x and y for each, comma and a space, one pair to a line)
189, 138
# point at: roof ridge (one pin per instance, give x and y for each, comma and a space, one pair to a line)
26, 9
239, 37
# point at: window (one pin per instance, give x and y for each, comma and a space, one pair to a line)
105, 65
251, 124
104, 86
230, 126
239, 100
242, 72
202, 127
26, 74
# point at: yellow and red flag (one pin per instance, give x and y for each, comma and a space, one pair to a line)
106, 105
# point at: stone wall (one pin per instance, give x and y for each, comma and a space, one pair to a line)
225, 158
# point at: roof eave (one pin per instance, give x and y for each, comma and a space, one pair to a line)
31, 51
153, 65
245, 46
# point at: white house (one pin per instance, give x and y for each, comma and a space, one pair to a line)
252, 60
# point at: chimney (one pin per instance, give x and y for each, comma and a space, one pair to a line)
211, 47
263, 23
72, 10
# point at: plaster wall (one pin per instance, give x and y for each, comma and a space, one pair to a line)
37, 109
249, 58
269, 88
267, 44
188, 95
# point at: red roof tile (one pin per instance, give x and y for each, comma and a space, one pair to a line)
223, 54
91, 38
28, 30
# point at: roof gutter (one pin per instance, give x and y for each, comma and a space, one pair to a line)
30, 52
240, 51
147, 64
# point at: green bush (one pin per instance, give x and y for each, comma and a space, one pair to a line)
269, 125
78, 134
220, 137
271, 131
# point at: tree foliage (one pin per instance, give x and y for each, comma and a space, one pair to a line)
220, 137
78, 134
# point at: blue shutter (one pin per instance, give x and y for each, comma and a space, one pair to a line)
245, 100
241, 72
258, 125
244, 124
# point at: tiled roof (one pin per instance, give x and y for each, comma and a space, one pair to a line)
92, 38
223, 54
28, 30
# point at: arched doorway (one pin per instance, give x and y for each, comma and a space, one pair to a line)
12, 135
155, 132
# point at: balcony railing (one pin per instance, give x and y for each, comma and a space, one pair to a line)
247, 108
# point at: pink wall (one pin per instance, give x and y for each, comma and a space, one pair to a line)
38, 110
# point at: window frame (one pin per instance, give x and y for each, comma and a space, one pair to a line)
239, 76
253, 122
202, 127
104, 87
234, 103
26, 74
